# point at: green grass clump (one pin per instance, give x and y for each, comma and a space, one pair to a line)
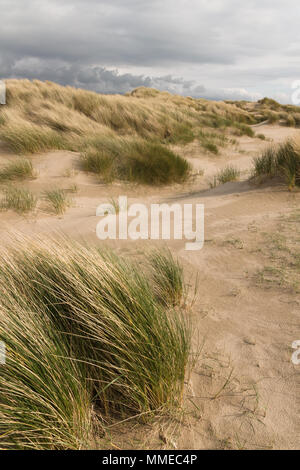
266, 164
296, 117
215, 121
134, 160
44, 400
19, 200
281, 161
211, 141
19, 169
168, 277
87, 341
26, 139
229, 173
211, 147
58, 200
181, 134
100, 161
243, 129
290, 121
273, 117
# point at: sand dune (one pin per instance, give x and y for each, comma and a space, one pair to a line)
243, 389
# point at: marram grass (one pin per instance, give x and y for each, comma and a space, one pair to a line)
134, 159
119, 137
17, 169
19, 200
87, 341
57, 200
281, 161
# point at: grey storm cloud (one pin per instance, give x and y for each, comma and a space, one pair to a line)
212, 48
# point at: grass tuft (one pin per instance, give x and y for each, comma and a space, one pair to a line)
19, 200
168, 277
58, 200
229, 173
135, 160
26, 139
282, 161
84, 331
19, 169
243, 129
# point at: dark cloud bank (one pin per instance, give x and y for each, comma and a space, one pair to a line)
223, 49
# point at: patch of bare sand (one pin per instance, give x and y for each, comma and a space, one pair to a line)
242, 392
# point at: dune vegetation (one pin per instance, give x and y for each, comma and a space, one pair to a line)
19, 200
119, 137
270, 110
88, 341
281, 161
227, 174
57, 200
128, 137
93, 338
18, 169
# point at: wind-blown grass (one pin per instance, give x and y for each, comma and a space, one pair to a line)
168, 277
281, 161
58, 200
134, 160
26, 138
227, 174
19, 200
243, 129
44, 400
140, 126
83, 329
19, 169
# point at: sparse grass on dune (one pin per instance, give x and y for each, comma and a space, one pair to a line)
243, 129
211, 141
280, 161
227, 174
19, 200
84, 329
58, 200
18, 169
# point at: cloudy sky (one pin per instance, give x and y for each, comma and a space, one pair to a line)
221, 49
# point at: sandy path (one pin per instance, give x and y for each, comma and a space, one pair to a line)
243, 390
